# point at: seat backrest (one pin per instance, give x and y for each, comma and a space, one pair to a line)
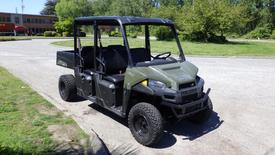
115, 59
140, 55
87, 56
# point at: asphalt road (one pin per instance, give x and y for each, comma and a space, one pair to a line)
243, 94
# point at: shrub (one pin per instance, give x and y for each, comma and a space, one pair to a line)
199, 36
66, 34
132, 35
65, 25
49, 33
216, 39
183, 36
82, 34
164, 33
259, 32
39, 34
114, 34
272, 35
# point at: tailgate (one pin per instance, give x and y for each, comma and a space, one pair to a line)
66, 58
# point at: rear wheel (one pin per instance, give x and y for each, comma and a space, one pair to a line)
67, 87
145, 123
202, 116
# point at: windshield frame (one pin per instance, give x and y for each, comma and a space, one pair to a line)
147, 39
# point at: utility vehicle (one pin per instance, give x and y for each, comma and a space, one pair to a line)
134, 82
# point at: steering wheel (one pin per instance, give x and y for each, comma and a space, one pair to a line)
162, 55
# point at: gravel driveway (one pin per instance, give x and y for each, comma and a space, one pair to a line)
243, 94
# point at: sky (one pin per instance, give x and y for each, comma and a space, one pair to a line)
31, 6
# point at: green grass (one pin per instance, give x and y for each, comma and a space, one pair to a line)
23, 129
12, 38
15, 38
194, 48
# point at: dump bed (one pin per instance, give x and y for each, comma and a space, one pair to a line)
66, 58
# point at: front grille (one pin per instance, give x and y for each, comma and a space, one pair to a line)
187, 85
192, 108
190, 98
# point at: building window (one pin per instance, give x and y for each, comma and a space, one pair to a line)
28, 20
17, 20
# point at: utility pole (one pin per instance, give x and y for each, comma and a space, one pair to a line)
22, 6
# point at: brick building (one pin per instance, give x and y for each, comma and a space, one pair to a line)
32, 23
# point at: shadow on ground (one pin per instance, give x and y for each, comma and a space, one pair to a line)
184, 128
188, 130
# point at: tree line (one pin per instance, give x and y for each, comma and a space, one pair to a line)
200, 20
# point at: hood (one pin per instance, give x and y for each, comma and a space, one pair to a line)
170, 74
177, 73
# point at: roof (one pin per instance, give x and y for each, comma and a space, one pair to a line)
126, 20
9, 13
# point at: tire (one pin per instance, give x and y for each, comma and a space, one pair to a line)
145, 123
202, 116
67, 87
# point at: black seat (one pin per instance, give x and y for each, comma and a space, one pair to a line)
115, 59
140, 55
87, 56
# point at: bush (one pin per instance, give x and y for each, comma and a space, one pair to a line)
49, 34
114, 34
216, 39
198, 36
82, 34
164, 33
65, 25
132, 35
193, 36
184, 36
39, 34
260, 32
272, 35
66, 34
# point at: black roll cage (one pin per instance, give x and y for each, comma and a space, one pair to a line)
122, 22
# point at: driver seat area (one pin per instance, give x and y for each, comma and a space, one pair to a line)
115, 59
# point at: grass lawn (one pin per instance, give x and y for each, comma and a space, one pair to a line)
194, 48
15, 38
25, 120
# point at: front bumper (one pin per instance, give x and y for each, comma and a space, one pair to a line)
181, 110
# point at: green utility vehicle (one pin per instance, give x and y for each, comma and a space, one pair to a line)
134, 82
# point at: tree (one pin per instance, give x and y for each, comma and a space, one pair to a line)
49, 8
67, 10
101, 7
259, 11
130, 7
206, 18
64, 26
73, 8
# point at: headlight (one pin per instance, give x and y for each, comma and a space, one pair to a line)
156, 84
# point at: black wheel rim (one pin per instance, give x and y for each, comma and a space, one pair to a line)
141, 126
62, 88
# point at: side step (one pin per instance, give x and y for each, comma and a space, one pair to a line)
92, 99
115, 109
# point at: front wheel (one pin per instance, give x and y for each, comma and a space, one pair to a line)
145, 123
